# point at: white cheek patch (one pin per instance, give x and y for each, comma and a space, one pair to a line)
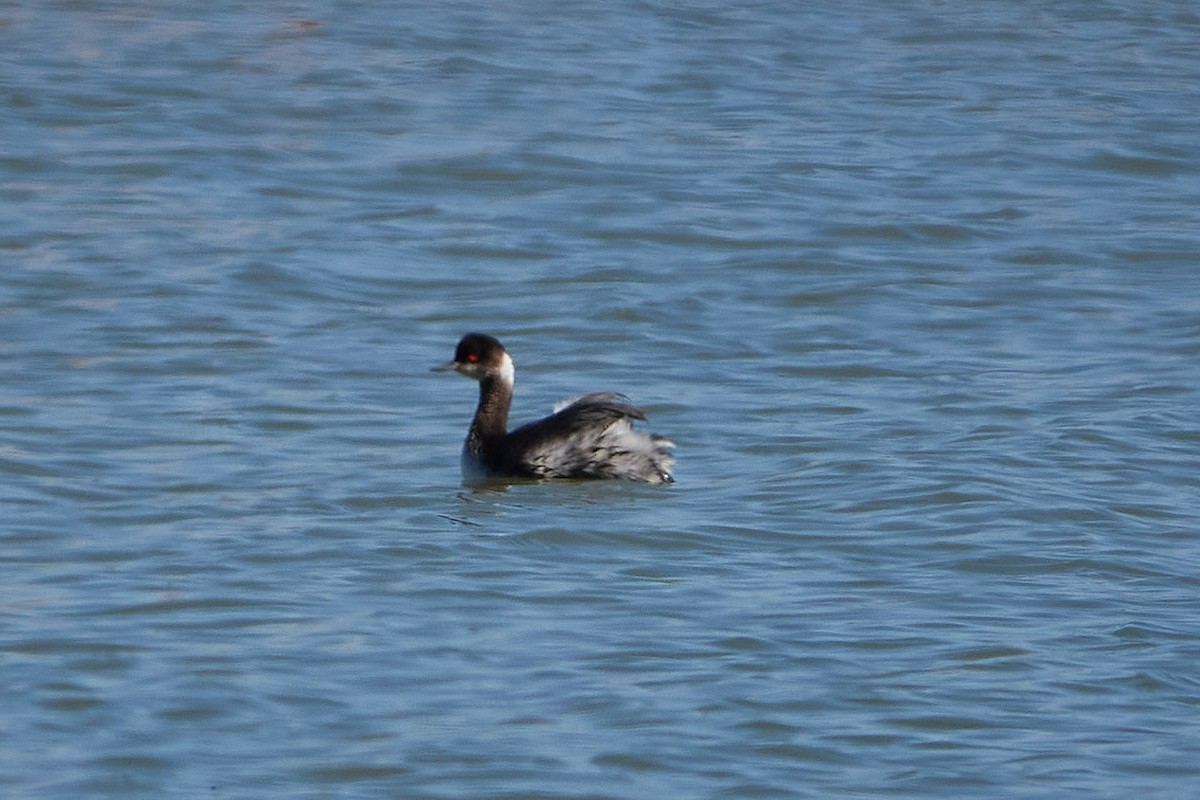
507, 372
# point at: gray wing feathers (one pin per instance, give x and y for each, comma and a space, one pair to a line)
593, 437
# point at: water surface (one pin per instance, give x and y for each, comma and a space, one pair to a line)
915, 289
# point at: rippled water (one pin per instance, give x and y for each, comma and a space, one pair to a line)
916, 288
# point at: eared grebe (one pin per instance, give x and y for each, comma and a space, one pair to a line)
589, 437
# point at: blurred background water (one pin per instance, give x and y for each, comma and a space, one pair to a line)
915, 286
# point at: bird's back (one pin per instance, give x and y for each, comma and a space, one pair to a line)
592, 437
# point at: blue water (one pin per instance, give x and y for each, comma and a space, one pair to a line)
914, 286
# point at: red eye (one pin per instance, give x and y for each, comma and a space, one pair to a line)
472, 357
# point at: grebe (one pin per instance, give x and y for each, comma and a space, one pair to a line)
589, 437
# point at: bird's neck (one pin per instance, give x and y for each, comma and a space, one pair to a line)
491, 416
